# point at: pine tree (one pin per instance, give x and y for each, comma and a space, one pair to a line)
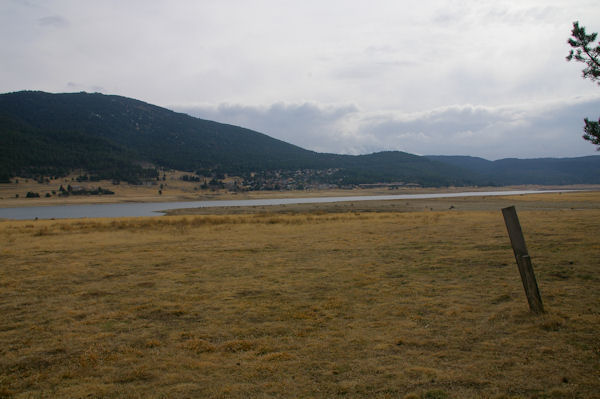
584, 51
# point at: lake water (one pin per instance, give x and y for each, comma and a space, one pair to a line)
154, 208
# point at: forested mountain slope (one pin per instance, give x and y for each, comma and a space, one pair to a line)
121, 138
579, 170
112, 136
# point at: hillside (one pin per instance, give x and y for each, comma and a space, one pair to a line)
581, 170
146, 133
112, 136
118, 138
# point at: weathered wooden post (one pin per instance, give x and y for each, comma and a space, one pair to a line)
517, 241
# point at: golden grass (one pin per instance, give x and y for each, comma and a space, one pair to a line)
175, 189
384, 305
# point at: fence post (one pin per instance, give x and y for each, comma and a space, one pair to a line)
517, 241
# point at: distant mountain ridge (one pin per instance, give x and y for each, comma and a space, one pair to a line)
513, 171
120, 138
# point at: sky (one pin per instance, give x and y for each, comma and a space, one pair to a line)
473, 77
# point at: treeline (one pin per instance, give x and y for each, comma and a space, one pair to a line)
65, 192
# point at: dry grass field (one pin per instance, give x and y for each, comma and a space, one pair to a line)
174, 189
422, 304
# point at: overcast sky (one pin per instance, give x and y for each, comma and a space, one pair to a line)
473, 77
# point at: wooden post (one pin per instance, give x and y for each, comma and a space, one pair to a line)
517, 241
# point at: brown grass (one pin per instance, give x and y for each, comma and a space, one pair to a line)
14, 194
385, 305
175, 189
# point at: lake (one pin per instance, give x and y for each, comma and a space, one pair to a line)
153, 208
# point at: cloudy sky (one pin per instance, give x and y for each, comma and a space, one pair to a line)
473, 77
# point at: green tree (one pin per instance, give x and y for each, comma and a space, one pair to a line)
583, 50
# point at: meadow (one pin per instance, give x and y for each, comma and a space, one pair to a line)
425, 303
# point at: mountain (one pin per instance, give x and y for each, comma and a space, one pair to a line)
156, 135
113, 136
119, 138
512, 171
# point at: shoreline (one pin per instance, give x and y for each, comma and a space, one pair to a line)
137, 194
574, 200
398, 203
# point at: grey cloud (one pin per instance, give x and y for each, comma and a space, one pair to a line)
307, 125
451, 15
55, 21
377, 50
502, 12
526, 131
84, 87
443, 121
371, 68
534, 14
374, 62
